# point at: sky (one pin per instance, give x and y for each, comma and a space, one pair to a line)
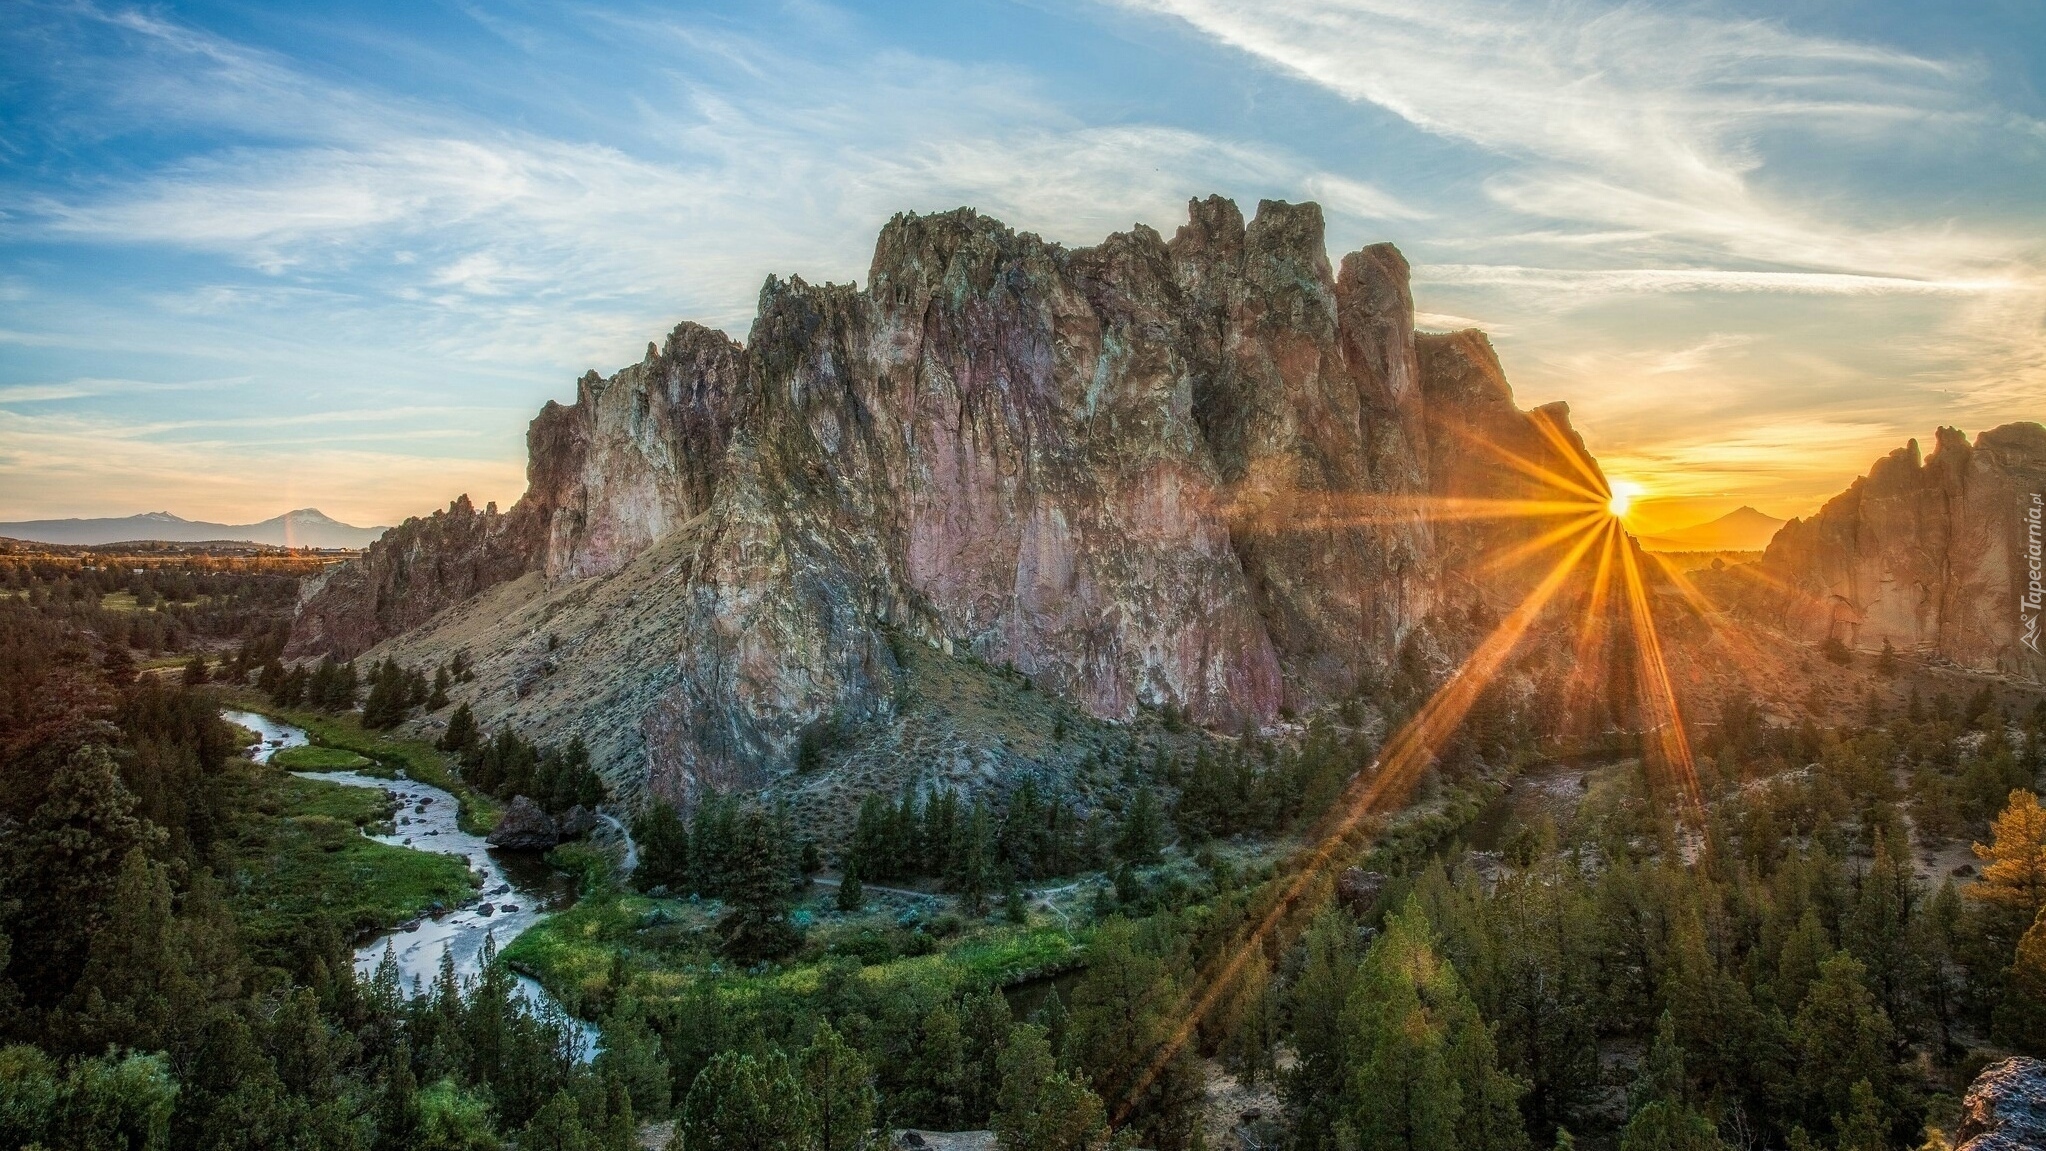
263, 256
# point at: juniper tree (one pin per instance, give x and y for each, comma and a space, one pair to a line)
757, 925
839, 1085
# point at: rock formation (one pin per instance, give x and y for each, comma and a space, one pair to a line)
407, 577
1180, 473
2005, 1108
1939, 555
524, 827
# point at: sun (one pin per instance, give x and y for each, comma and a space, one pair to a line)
1622, 498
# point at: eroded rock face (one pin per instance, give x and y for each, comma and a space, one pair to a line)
410, 574
1933, 554
1181, 473
1499, 475
2005, 1108
635, 456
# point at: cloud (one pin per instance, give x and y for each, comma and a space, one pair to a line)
1634, 117
470, 250
1636, 281
782, 162
1660, 151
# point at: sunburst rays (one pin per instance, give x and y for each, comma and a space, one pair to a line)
1588, 543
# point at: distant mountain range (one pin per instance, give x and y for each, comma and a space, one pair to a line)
1742, 530
304, 528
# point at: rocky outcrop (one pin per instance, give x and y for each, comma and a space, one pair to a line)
524, 827
635, 456
1498, 476
2005, 1108
415, 571
1938, 555
1186, 473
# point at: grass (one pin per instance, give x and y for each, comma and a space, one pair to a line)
125, 601
300, 855
315, 758
388, 754
670, 947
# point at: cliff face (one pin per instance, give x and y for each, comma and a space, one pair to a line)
1150, 472
1484, 453
1934, 554
409, 575
635, 456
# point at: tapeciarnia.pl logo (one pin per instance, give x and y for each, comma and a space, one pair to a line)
2035, 588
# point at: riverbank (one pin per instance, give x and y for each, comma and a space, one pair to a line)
408, 826
389, 755
303, 863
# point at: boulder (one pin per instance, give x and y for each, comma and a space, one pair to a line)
1358, 889
524, 827
577, 822
2005, 1108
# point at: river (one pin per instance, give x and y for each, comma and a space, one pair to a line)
519, 889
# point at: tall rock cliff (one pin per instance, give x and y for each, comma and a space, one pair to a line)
1187, 473
1937, 554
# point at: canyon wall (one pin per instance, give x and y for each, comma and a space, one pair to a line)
1189, 473
1937, 555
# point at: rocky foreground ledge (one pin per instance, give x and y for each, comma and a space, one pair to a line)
2005, 1108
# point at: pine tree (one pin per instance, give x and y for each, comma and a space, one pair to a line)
1797, 965
2014, 871
973, 871
1841, 1036
1120, 1021
632, 1058
871, 850
1041, 1108
2020, 1020
840, 1087
757, 926
385, 706
559, 1126
462, 736
1424, 1071
663, 841
850, 897
1143, 831
1660, 1117
1251, 1021
1321, 1071
62, 867
1863, 1128
195, 670
135, 986
933, 1089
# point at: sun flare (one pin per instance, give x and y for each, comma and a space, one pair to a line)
1622, 498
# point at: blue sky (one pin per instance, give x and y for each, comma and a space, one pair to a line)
260, 256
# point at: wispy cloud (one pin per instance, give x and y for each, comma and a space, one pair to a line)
1659, 150
1634, 281
1635, 117
1622, 193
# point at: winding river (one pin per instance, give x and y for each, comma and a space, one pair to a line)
516, 890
